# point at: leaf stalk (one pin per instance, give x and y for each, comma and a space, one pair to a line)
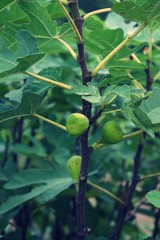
121, 45
132, 134
72, 52
53, 82
106, 192
103, 10
50, 121
150, 176
70, 20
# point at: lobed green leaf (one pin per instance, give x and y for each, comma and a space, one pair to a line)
51, 184
137, 11
154, 198
25, 56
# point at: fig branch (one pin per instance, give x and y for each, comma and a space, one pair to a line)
128, 199
82, 229
135, 176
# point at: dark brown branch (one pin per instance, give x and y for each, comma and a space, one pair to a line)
156, 225
17, 131
82, 230
96, 116
149, 79
131, 191
22, 220
135, 178
6, 151
132, 214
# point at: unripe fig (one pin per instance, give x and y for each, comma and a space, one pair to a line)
111, 133
77, 124
74, 166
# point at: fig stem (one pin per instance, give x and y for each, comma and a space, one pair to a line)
132, 134
53, 82
135, 58
99, 11
121, 45
50, 121
136, 133
106, 192
70, 20
97, 144
64, 2
72, 52
150, 176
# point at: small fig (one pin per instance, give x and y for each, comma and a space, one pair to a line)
77, 124
74, 166
111, 133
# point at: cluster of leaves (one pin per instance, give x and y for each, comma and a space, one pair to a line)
33, 158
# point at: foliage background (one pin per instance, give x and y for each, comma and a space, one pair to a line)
29, 143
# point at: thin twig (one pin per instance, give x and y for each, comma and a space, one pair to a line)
96, 116
132, 213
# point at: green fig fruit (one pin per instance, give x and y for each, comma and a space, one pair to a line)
77, 124
74, 167
111, 133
